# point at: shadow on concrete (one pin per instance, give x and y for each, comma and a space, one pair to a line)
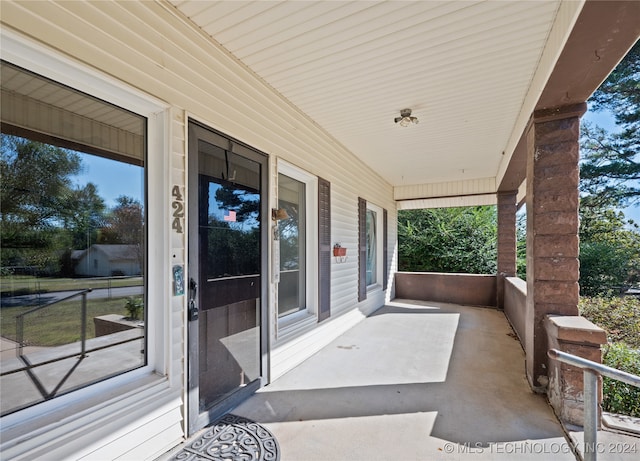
439, 372
469, 419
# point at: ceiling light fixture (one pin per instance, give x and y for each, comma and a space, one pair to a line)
405, 118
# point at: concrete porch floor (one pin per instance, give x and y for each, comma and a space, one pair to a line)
414, 381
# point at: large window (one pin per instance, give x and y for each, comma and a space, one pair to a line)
73, 247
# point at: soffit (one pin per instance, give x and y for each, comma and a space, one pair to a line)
465, 68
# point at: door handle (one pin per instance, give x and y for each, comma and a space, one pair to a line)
192, 311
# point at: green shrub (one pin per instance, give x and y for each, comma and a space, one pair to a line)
134, 307
619, 397
618, 316
604, 266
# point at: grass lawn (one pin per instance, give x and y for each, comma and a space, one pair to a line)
27, 284
60, 323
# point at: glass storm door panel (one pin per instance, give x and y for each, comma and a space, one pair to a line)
225, 253
292, 234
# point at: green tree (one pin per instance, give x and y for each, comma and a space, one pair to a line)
124, 224
609, 180
448, 240
84, 216
610, 170
36, 178
609, 252
34, 191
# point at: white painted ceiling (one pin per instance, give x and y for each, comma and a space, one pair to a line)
463, 67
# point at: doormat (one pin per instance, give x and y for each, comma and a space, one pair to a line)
232, 438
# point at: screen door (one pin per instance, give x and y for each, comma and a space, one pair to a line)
227, 263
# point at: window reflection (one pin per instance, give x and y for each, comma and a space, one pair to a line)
292, 238
72, 218
233, 230
371, 248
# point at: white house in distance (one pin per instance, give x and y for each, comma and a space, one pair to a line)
238, 112
101, 260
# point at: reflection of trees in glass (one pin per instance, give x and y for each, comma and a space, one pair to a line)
36, 181
234, 246
84, 216
44, 216
289, 237
371, 247
124, 223
245, 203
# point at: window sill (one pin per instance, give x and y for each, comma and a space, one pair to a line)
295, 325
36, 426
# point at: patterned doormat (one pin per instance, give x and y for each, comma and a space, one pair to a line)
232, 438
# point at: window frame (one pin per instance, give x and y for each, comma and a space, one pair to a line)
39, 59
311, 254
379, 283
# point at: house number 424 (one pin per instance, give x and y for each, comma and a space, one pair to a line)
178, 210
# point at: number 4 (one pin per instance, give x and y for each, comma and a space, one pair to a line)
177, 225
175, 192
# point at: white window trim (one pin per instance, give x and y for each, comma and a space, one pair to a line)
379, 250
33, 56
311, 196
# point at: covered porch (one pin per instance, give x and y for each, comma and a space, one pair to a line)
415, 380
313, 90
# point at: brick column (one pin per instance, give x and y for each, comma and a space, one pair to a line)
552, 229
507, 208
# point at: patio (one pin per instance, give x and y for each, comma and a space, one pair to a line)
415, 380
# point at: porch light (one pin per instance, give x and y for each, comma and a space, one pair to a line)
405, 118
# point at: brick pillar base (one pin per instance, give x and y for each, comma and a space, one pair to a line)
578, 336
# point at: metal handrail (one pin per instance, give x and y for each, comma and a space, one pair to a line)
28, 366
83, 318
591, 371
55, 301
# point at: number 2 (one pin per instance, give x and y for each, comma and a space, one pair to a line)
179, 210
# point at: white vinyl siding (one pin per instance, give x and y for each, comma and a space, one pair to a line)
149, 47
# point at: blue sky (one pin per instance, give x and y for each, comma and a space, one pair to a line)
113, 179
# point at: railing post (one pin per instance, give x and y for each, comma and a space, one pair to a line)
591, 372
20, 333
83, 334
590, 414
